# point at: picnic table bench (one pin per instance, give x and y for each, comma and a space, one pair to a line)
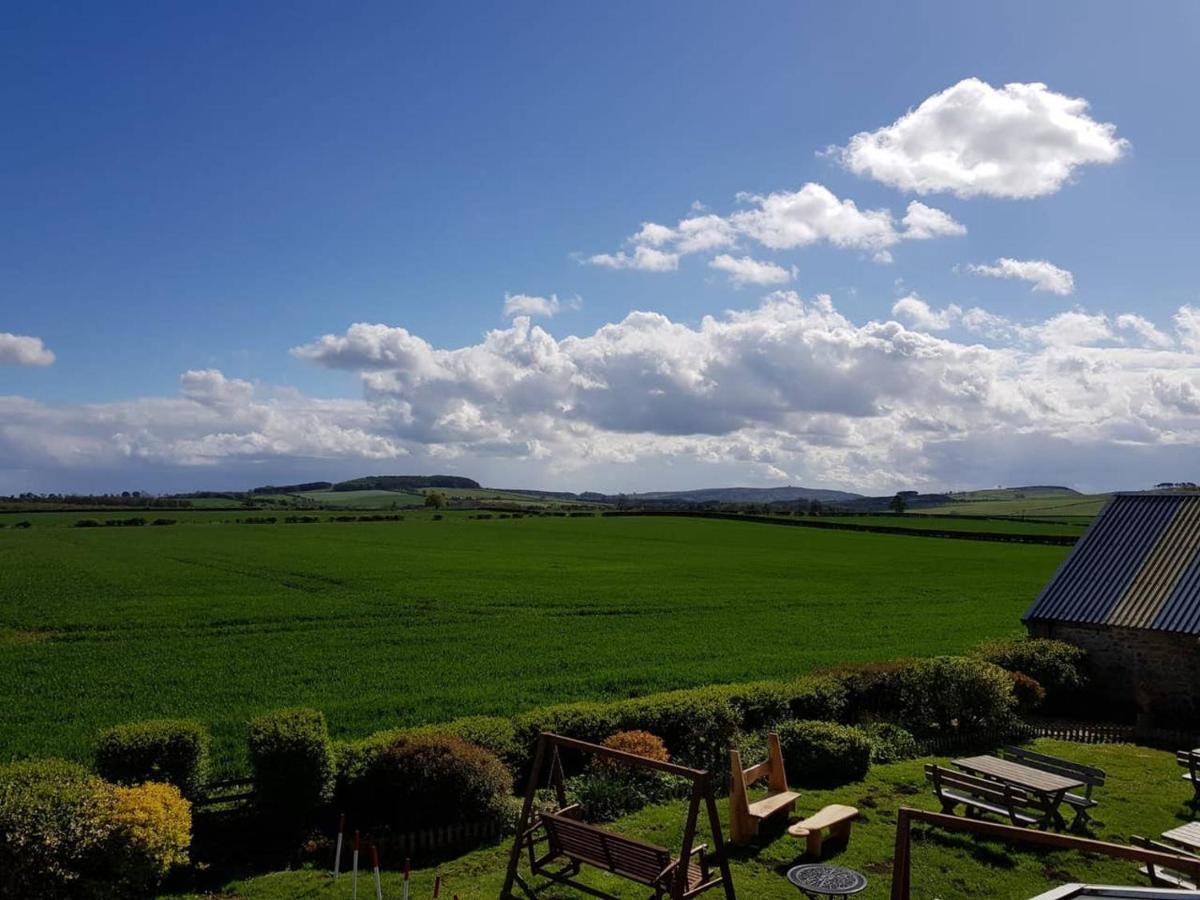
1190, 760
1050, 788
1091, 776
1159, 875
979, 795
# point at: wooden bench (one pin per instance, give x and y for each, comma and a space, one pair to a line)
576, 843
1159, 876
1090, 776
1190, 760
744, 816
979, 795
834, 819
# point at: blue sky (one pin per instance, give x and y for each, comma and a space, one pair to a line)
208, 187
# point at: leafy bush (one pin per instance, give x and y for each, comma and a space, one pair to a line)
1060, 668
151, 830
293, 762
587, 721
67, 834
174, 751
824, 754
87, 523
955, 694
419, 781
869, 688
890, 742
161, 522
1030, 695
698, 726
639, 743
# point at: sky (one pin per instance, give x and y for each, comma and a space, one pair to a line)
615, 247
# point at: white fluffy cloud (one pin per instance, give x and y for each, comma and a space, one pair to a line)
745, 270
22, 350
534, 306
1043, 275
782, 220
791, 386
919, 313
1021, 140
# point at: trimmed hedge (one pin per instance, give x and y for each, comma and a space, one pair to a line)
293, 762
411, 782
1057, 666
762, 704
174, 751
824, 754
698, 726
890, 742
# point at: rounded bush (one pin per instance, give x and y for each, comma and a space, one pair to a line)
293, 762
698, 726
1060, 668
824, 754
639, 743
67, 834
955, 695
890, 742
425, 781
1030, 695
174, 751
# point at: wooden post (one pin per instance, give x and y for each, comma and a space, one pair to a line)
689, 838
900, 858
523, 823
718, 840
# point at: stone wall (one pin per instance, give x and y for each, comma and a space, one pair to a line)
1154, 673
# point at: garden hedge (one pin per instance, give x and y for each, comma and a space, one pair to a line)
293, 762
174, 751
824, 754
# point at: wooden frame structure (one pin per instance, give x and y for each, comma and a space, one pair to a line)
677, 885
906, 816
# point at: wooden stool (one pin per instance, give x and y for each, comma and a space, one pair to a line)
834, 819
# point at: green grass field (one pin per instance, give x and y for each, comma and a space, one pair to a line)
363, 499
382, 624
1144, 795
936, 523
1083, 507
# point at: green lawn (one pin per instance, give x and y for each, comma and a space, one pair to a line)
385, 624
1144, 795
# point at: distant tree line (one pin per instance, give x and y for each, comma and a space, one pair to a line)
405, 483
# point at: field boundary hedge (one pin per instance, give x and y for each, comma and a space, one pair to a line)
1056, 540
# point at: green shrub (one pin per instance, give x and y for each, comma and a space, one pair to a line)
1057, 666
870, 688
762, 704
418, 781
890, 742
174, 751
824, 754
698, 726
87, 523
955, 695
587, 721
293, 762
65, 834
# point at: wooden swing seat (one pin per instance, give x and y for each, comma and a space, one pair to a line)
576, 843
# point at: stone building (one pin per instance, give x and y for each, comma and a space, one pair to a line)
1129, 593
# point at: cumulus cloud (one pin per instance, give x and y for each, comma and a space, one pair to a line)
1043, 275
22, 350
1022, 140
790, 386
782, 220
534, 306
919, 313
744, 270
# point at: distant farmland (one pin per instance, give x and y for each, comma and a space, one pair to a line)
422, 620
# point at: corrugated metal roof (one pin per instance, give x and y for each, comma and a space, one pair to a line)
1138, 566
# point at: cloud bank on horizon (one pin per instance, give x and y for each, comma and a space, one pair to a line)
790, 389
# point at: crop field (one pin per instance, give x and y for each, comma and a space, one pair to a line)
363, 499
390, 623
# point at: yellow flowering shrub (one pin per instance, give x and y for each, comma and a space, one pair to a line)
152, 829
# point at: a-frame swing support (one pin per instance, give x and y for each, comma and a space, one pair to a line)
702, 794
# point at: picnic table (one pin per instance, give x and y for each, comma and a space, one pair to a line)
1186, 835
1051, 787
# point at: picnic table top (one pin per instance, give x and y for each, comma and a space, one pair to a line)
1188, 835
1017, 774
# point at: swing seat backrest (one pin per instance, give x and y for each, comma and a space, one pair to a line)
627, 857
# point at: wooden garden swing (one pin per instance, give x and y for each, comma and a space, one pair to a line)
570, 843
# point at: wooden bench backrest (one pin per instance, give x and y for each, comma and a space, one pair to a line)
994, 792
771, 769
625, 856
1189, 759
1089, 775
